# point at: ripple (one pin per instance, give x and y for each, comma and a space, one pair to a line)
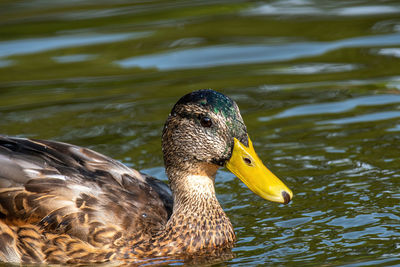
35, 45
337, 106
73, 58
368, 10
391, 25
369, 231
313, 68
394, 129
295, 8
393, 261
293, 222
395, 52
356, 221
220, 55
377, 116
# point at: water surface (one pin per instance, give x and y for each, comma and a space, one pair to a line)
318, 84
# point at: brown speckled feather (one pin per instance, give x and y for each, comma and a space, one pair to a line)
59, 202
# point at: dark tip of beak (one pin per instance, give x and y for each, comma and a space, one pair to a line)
286, 197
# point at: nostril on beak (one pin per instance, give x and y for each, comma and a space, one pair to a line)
286, 197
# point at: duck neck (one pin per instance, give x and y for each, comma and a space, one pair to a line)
197, 215
194, 186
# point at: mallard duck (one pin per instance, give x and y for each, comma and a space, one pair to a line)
61, 203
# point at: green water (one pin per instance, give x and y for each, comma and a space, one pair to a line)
318, 84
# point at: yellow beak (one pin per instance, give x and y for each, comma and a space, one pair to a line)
247, 166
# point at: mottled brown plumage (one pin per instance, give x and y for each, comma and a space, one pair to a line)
60, 203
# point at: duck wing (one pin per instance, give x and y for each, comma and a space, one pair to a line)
51, 190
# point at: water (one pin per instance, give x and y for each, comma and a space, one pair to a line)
318, 84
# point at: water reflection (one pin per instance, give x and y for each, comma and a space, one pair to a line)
220, 55
337, 106
36, 45
307, 8
395, 52
315, 68
74, 58
377, 116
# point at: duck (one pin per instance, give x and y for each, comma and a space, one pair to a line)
61, 203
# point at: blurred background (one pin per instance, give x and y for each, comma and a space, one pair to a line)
317, 81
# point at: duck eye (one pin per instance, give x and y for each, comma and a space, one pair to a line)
206, 122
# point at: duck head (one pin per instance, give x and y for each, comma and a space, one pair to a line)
205, 131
